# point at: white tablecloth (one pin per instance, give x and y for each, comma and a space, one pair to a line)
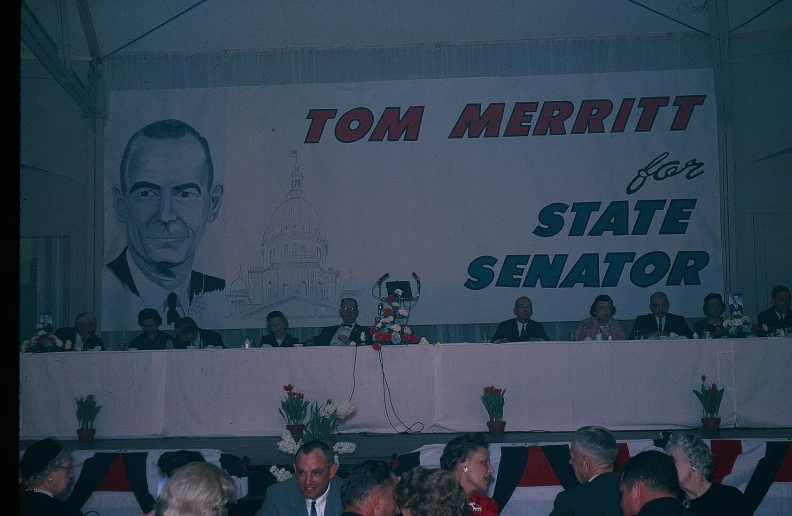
552, 386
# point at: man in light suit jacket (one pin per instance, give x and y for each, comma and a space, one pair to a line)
593, 456
522, 328
659, 323
313, 491
348, 331
83, 335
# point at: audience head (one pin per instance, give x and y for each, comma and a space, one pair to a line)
593, 451
646, 476
348, 310
430, 492
173, 460
186, 329
314, 467
46, 465
277, 323
602, 307
196, 489
523, 309
692, 457
467, 458
713, 305
85, 325
369, 489
658, 304
780, 298
149, 319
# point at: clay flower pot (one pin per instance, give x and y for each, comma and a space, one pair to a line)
496, 427
296, 431
711, 424
86, 435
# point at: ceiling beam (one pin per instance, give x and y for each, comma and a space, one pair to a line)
88, 28
46, 51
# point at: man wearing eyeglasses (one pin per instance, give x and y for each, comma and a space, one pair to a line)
659, 323
348, 331
521, 328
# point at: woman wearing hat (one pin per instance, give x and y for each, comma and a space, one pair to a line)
277, 324
46, 472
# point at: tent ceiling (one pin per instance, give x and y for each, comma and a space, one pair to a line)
222, 25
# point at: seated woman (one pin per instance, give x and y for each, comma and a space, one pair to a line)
713, 309
46, 472
467, 458
693, 460
151, 338
196, 488
277, 326
430, 492
602, 312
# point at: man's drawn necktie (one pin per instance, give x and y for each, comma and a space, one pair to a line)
173, 315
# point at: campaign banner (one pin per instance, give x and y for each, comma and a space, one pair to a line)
474, 191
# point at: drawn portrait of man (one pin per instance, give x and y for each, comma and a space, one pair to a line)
165, 198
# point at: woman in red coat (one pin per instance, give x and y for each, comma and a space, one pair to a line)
467, 458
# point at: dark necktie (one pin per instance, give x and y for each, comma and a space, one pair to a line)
173, 315
660, 324
313, 508
524, 332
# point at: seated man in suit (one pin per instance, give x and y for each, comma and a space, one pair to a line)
650, 486
277, 324
659, 323
368, 490
593, 456
151, 338
314, 490
83, 335
522, 328
188, 334
778, 315
348, 330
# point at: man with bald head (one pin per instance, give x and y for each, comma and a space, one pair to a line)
521, 328
166, 196
659, 323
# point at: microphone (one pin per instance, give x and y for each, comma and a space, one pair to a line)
417, 282
383, 278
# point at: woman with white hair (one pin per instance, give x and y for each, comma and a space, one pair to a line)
196, 489
694, 463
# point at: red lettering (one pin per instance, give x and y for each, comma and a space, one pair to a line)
395, 127
553, 116
318, 118
520, 120
650, 106
472, 122
344, 131
591, 115
686, 104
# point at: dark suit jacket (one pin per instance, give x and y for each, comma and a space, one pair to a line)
326, 335
665, 507
508, 330
673, 323
770, 318
199, 283
600, 497
142, 342
209, 338
288, 341
65, 334
286, 499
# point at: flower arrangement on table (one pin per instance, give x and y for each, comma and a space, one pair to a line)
493, 400
392, 328
44, 341
294, 407
87, 409
738, 326
322, 425
710, 397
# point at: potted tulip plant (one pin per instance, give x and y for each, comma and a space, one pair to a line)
87, 409
293, 409
710, 398
493, 400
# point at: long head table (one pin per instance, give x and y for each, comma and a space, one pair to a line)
551, 386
